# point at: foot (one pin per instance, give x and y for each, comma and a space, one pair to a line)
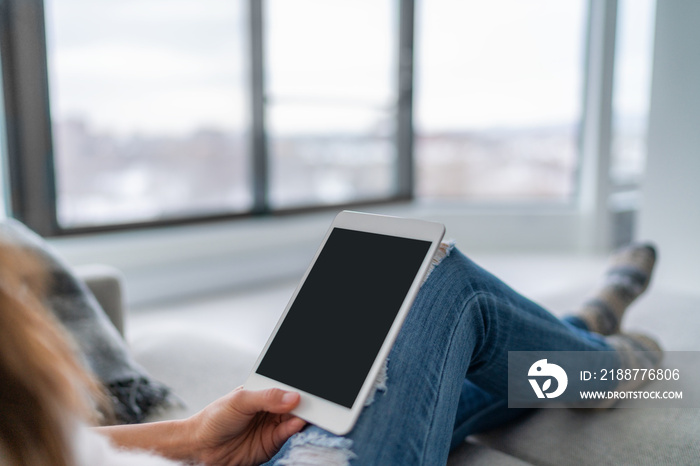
636, 351
627, 277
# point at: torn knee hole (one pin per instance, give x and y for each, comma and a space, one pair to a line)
443, 251
379, 383
318, 449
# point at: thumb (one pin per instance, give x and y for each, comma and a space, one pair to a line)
272, 400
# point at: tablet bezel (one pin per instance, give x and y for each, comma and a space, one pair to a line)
324, 413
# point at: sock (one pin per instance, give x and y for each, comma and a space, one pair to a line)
627, 277
636, 351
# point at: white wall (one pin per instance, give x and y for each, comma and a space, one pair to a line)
670, 213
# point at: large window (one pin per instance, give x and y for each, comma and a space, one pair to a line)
149, 109
499, 94
331, 100
150, 104
143, 112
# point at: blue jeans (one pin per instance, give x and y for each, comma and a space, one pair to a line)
447, 371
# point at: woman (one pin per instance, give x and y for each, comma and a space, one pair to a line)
446, 378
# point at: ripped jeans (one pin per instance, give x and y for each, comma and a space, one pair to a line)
447, 372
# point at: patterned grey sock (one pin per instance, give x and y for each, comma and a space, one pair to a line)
627, 277
636, 351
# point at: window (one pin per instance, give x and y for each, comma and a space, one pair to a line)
631, 91
149, 109
170, 111
331, 100
499, 93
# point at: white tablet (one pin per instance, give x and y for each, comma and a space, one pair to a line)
344, 316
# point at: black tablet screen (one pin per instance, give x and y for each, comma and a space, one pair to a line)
341, 315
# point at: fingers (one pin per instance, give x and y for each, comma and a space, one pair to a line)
285, 430
272, 400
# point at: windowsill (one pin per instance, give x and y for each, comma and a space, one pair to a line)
168, 263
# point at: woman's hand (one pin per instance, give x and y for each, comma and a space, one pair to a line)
244, 427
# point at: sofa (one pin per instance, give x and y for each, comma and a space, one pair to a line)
200, 367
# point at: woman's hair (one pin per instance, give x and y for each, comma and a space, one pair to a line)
44, 390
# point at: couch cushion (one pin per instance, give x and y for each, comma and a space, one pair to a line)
474, 454
201, 366
198, 366
616, 436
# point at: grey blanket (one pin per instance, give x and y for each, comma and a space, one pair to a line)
133, 392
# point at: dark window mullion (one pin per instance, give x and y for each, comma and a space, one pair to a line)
404, 116
258, 148
27, 117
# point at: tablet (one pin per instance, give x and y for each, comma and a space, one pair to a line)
339, 326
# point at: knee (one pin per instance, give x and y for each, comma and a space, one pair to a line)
450, 268
445, 249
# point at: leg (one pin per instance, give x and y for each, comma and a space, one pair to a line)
479, 411
628, 275
463, 322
